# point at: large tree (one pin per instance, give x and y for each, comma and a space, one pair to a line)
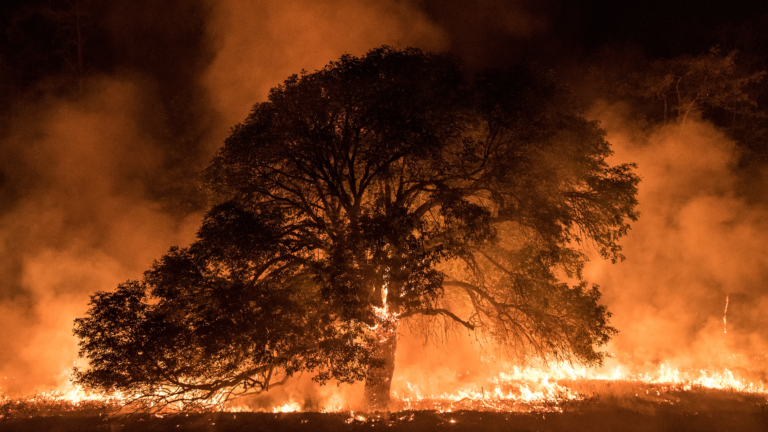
378, 190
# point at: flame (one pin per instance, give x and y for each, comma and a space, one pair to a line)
548, 389
287, 407
386, 321
516, 390
521, 389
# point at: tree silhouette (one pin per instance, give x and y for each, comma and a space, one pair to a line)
687, 85
379, 190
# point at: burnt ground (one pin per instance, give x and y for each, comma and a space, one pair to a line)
597, 420
627, 407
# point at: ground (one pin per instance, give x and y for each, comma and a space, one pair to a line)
613, 406
616, 419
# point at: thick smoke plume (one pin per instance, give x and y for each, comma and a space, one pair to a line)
702, 237
82, 221
259, 44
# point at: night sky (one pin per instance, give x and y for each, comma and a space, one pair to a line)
97, 182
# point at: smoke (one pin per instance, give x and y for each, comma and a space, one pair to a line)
93, 189
497, 32
702, 237
82, 221
260, 44
699, 239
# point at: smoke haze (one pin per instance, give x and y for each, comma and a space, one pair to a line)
260, 44
83, 221
698, 239
95, 188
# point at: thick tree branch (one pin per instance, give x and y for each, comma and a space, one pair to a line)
433, 312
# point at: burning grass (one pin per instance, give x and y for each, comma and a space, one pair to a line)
560, 389
554, 390
614, 405
58, 404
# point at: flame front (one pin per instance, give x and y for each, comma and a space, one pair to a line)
534, 389
517, 390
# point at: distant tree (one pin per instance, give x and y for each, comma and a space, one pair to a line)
750, 127
379, 190
692, 84
728, 90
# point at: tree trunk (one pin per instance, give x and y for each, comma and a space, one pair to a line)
379, 380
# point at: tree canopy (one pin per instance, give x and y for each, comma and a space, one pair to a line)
379, 190
724, 86
687, 85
